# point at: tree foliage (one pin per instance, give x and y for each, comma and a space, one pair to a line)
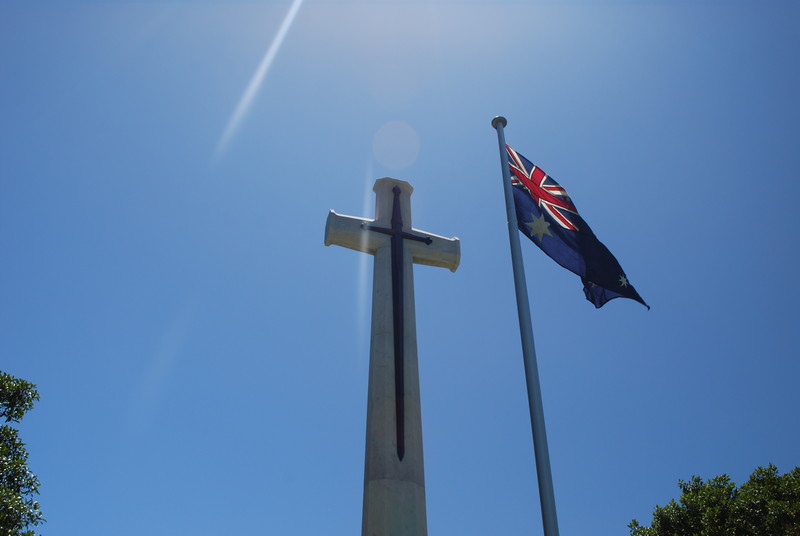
767, 504
18, 510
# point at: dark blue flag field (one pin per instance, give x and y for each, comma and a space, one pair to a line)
547, 215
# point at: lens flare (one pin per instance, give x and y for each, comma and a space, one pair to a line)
364, 276
239, 114
396, 145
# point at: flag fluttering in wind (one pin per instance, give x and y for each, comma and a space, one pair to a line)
547, 215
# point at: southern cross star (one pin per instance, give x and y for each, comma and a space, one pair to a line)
623, 281
539, 227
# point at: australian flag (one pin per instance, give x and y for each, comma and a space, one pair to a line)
547, 215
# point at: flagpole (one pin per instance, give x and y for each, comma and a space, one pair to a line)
542, 456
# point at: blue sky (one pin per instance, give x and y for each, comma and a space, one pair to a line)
202, 357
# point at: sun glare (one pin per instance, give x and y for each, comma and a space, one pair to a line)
243, 107
364, 279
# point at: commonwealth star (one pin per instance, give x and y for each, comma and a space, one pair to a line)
539, 227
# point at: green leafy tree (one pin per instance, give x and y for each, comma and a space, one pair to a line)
18, 510
766, 505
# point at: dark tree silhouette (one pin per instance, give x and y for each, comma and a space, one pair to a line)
766, 505
18, 510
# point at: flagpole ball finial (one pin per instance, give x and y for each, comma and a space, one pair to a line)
499, 120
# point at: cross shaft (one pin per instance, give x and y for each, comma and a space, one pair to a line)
397, 235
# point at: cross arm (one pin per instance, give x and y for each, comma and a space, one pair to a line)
348, 232
427, 248
441, 251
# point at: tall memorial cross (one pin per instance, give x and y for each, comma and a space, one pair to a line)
394, 483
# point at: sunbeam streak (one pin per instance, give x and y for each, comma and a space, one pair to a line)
363, 304
256, 81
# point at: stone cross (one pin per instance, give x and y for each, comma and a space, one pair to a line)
394, 483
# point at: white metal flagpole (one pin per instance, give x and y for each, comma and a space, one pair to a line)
541, 453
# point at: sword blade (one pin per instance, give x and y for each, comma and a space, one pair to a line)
399, 328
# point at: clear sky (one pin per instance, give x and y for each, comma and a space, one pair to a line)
166, 169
